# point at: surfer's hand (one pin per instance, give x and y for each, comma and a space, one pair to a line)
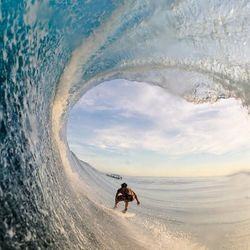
138, 203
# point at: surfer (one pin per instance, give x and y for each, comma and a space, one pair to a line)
125, 194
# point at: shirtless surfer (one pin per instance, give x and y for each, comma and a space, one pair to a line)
125, 194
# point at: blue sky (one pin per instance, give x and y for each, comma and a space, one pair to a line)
138, 129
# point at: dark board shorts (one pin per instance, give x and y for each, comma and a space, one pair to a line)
128, 198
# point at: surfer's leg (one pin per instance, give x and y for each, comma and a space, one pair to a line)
117, 200
126, 207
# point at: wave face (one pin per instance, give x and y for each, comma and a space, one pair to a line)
52, 52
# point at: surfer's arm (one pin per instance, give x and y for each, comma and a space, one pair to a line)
138, 202
118, 191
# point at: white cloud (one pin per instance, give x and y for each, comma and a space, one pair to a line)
179, 128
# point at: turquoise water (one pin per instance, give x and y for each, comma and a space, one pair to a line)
52, 52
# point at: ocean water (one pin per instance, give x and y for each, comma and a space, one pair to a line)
51, 53
178, 212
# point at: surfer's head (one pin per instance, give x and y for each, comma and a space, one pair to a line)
124, 185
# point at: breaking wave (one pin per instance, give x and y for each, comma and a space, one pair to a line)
52, 52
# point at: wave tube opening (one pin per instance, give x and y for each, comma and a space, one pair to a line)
119, 119
167, 200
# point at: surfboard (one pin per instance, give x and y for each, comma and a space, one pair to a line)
120, 213
124, 215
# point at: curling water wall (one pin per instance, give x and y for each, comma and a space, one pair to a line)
54, 51
38, 207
